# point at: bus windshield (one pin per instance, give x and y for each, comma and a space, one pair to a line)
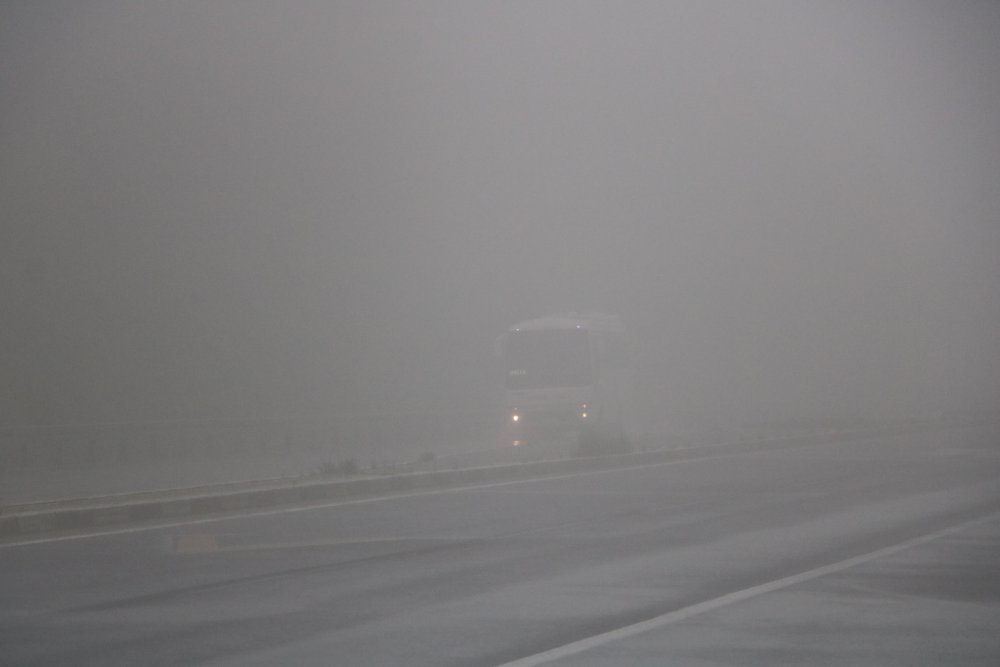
549, 358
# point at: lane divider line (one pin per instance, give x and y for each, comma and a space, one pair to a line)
178, 521
663, 620
191, 518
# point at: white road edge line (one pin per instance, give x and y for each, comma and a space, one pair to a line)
360, 501
594, 641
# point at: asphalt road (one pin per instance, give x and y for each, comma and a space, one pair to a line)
877, 551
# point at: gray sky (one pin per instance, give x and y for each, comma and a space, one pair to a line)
236, 209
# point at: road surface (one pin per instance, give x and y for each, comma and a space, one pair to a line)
877, 551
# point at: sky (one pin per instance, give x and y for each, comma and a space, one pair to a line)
235, 209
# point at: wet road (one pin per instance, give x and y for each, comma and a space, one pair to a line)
504, 572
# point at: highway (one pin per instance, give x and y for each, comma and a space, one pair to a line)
880, 550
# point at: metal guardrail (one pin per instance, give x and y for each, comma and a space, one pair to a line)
46, 463
368, 438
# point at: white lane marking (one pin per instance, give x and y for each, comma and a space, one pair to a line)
588, 643
375, 499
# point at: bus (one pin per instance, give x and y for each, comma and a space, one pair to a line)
567, 378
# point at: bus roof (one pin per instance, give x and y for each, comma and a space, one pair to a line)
591, 321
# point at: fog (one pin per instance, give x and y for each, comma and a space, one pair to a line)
245, 209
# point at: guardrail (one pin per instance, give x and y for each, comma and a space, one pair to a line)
75, 460
45, 463
87, 445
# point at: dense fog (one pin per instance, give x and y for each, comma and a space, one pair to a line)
244, 209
